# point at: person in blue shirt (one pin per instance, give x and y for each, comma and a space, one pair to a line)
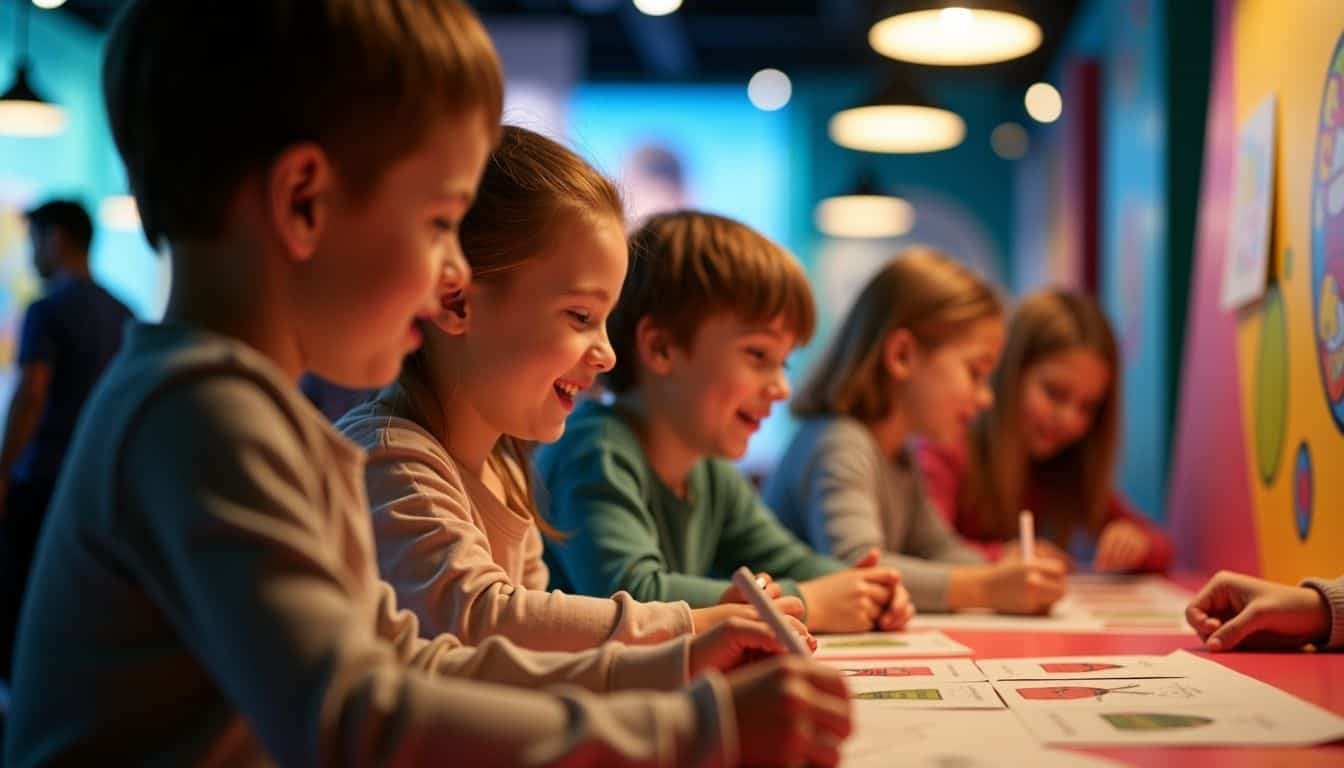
69, 335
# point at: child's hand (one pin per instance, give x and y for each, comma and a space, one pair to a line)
899, 611
1015, 586
1045, 550
706, 618
850, 600
1232, 607
790, 712
736, 641
772, 590
1121, 547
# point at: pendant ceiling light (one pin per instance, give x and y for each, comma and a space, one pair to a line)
956, 33
897, 120
864, 213
22, 111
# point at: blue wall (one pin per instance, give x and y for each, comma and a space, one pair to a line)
81, 163
1128, 39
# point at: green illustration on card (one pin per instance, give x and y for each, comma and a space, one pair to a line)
1149, 721
908, 694
868, 642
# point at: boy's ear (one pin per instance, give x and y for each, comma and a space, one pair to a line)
455, 316
900, 352
299, 188
653, 345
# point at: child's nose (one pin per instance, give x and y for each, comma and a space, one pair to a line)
456, 273
602, 356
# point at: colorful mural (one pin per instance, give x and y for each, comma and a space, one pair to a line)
1327, 237
1277, 455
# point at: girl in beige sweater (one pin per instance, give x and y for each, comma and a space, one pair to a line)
457, 531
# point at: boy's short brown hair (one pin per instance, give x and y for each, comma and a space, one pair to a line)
687, 266
200, 95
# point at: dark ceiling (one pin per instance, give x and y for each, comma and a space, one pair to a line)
730, 39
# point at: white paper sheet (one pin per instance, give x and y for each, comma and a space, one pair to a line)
1242, 724
1248, 243
1209, 705
923, 671
1095, 603
1099, 667
898, 693
885, 645
1118, 693
890, 738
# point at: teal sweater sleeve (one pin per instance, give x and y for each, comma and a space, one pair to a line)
598, 493
753, 537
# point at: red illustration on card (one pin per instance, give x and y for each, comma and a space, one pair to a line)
1068, 667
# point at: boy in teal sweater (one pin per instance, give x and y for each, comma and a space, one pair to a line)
708, 315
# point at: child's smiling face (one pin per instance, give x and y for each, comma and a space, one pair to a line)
536, 336
1061, 395
724, 382
386, 257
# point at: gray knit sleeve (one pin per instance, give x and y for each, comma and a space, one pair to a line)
1333, 592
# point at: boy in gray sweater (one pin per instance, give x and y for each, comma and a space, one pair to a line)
206, 588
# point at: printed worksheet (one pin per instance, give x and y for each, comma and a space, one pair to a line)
1209, 704
1118, 693
1078, 668
903, 693
892, 738
883, 645
924, 671
1095, 603
1268, 723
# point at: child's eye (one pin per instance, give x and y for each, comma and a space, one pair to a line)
758, 354
447, 226
580, 316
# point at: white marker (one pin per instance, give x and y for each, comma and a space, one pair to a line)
751, 589
1026, 535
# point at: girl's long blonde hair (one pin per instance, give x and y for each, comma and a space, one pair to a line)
1079, 478
921, 290
530, 184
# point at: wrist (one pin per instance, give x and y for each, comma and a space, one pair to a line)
1326, 616
967, 587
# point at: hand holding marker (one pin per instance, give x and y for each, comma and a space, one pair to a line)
751, 589
1026, 535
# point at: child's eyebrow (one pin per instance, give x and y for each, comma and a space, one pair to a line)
454, 194
595, 292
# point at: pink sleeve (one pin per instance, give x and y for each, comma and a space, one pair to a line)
1159, 544
944, 470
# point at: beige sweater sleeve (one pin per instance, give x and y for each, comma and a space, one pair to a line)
260, 563
432, 549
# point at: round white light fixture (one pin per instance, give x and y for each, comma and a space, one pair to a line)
864, 216
30, 118
119, 212
1009, 141
769, 90
901, 128
48, 4
955, 36
657, 7
1044, 103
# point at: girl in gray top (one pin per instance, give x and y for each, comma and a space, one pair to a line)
912, 358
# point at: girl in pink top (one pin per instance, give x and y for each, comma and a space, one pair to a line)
1048, 445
